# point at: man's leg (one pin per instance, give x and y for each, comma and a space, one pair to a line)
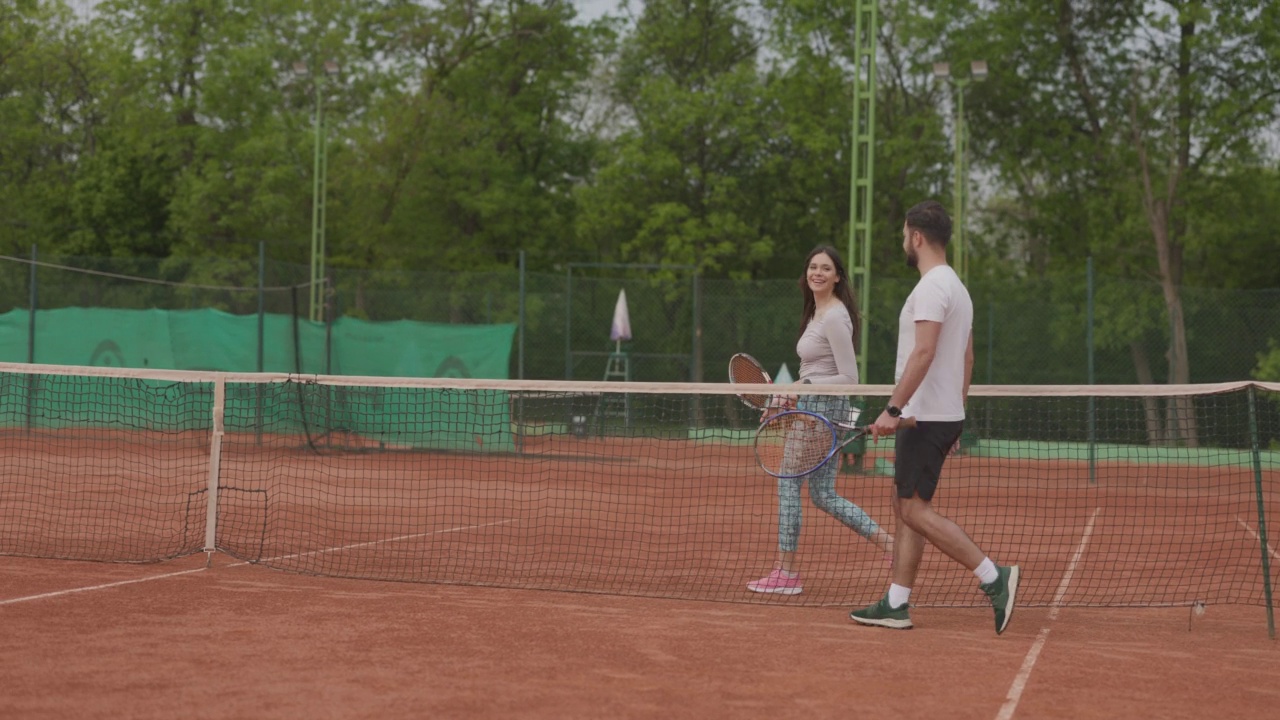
892, 610
999, 583
945, 535
907, 550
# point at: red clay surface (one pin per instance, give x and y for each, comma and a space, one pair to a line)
239, 641
693, 520
634, 516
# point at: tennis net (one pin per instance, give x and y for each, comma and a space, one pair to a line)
1106, 495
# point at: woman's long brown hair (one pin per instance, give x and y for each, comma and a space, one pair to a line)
843, 291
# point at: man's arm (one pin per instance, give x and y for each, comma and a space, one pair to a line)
918, 363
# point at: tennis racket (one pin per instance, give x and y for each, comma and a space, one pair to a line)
795, 443
745, 369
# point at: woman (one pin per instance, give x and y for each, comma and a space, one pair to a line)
828, 331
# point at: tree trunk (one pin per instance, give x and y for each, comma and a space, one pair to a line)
1158, 208
1150, 405
1182, 418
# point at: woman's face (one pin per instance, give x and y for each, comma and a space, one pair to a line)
821, 275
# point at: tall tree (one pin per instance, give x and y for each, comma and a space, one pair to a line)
684, 182
51, 83
1119, 110
472, 155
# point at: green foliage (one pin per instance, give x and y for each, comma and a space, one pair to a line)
1268, 367
711, 133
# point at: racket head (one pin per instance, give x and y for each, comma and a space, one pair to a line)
745, 369
794, 443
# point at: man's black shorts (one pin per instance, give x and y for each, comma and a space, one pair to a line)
919, 454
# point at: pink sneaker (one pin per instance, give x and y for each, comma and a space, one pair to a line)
777, 582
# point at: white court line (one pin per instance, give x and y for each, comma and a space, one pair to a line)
376, 542
105, 586
96, 587
1256, 536
1020, 682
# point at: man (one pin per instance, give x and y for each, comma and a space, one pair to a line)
935, 363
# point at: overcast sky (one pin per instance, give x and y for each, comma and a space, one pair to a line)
592, 9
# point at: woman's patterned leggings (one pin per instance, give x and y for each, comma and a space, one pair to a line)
822, 486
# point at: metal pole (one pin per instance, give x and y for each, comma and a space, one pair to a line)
695, 364
695, 356
322, 279
328, 318
262, 307
31, 314
861, 171
262, 316
568, 323
964, 197
315, 209
520, 359
32, 305
1093, 417
957, 234
1262, 514
520, 324
991, 352
991, 341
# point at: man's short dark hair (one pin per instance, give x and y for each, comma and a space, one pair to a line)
931, 220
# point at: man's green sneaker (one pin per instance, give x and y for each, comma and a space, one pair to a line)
1003, 593
881, 615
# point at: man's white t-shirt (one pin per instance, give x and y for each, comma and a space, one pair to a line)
938, 297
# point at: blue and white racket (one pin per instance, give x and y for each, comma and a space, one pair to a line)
794, 443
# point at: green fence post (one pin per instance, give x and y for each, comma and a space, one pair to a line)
1262, 513
568, 323
262, 315
32, 304
520, 323
262, 307
1093, 420
31, 315
695, 356
991, 341
991, 353
519, 429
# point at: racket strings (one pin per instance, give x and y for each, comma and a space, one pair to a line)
794, 444
745, 370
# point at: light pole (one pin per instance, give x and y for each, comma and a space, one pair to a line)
318, 190
960, 194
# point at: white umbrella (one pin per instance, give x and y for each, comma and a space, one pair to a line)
621, 329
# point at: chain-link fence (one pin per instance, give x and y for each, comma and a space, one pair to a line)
685, 327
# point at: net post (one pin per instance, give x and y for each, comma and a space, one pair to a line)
1262, 514
215, 460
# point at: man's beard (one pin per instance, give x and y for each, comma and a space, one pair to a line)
913, 260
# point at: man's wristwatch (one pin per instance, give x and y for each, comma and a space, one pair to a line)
894, 411
806, 381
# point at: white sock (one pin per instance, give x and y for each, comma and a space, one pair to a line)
986, 571
898, 596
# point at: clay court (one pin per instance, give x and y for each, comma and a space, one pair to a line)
604, 578
93, 640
